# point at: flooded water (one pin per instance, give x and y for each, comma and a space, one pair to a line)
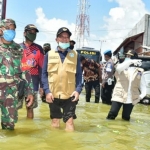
92, 130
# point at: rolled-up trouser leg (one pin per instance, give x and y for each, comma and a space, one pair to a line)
115, 107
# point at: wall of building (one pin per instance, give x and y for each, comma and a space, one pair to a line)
146, 39
139, 27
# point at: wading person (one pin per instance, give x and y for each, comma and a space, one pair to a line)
62, 80
46, 47
32, 61
129, 80
92, 77
72, 43
107, 78
11, 75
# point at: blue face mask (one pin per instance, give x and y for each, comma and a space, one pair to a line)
127, 58
9, 35
63, 45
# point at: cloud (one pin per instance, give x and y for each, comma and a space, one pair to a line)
123, 17
49, 27
118, 22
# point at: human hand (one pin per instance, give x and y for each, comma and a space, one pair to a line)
100, 80
41, 92
137, 62
49, 98
103, 85
136, 101
29, 100
76, 96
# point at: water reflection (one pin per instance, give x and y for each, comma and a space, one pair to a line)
93, 131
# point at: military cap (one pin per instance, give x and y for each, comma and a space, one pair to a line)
31, 27
7, 22
63, 29
47, 45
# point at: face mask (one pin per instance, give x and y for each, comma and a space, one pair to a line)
9, 35
31, 36
127, 58
63, 45
121, 60
71, 47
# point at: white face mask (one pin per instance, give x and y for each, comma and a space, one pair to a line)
63, 45
127, 58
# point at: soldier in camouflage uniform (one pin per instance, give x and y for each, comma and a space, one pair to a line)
10, 75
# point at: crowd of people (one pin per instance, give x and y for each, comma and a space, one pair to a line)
122, 82
57, 74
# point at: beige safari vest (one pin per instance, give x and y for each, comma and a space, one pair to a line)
61, 76
121, 88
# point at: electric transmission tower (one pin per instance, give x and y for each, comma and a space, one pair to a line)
82, 30
2, 9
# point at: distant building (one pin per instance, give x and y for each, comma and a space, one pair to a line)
138, 38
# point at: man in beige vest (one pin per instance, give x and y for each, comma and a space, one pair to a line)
129, 80
62, 80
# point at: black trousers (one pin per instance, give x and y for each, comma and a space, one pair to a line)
88, 88
106, 93
115, 107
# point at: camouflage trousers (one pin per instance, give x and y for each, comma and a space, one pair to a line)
35, 102
8, 105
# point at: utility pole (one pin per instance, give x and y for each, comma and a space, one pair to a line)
82, 22
3, 9
101, 42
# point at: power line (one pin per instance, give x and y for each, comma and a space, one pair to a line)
74, 31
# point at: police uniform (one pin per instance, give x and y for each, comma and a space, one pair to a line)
107, 80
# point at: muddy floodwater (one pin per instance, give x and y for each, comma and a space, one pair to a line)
92, 130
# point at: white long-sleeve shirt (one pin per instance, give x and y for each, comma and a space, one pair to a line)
125, 65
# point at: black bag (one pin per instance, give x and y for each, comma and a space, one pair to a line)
21, 88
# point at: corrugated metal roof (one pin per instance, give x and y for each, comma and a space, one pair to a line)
126, 41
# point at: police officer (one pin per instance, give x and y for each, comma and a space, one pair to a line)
107, 78
46, 47
11, 74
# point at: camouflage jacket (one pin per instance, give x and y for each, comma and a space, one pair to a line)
10, 67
